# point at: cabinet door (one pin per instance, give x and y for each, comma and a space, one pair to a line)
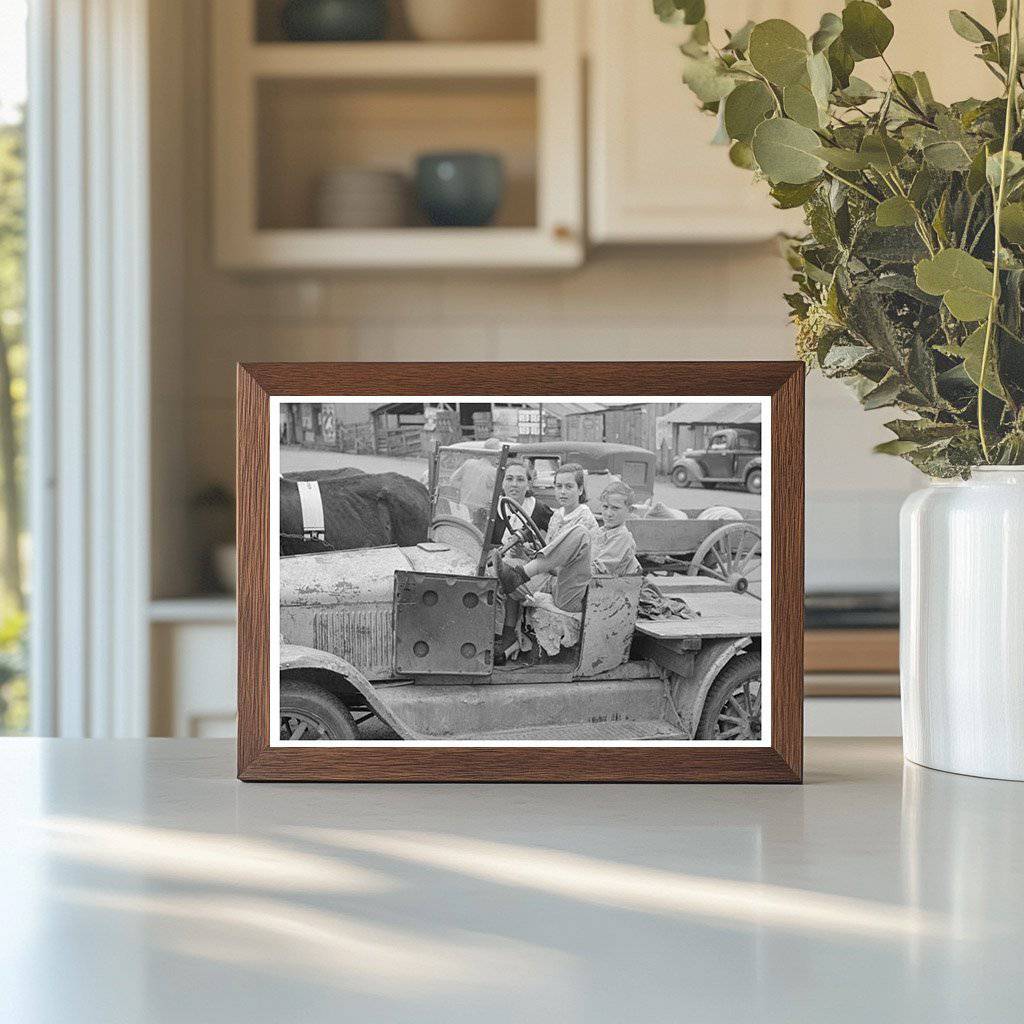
653, 174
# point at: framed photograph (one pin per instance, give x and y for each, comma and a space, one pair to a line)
579, 572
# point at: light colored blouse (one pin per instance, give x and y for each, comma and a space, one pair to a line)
579, 516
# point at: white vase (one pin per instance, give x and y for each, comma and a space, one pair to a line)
962, 624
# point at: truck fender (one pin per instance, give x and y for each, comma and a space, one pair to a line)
713, 656
294, 658
692, 465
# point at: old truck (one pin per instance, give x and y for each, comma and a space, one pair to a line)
600, 459
407, 635
733, 456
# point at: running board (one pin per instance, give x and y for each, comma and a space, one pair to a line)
655, 729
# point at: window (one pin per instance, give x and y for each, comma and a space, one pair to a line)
634, 473
14, 707
747, 442
719, 443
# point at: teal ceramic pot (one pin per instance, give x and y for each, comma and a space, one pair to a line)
334, 21
460, 189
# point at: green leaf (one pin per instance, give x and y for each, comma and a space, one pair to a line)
999, 8
819, 75
971, 351
866, 29
895, 212
779, 51
924, 88
976, 173
739, 41
885, 394
787, 151
939, 220
993, 165
969, 28
922, 431
963, 281
788, 196
745, 108
922, 185
947, 156
856, 92
741, 155
906, 84
801, 106
1012, 224
840, 61
701, 34
707, 78
882, 151
666, 10
829, 30
690, 12
844, 159
895, 447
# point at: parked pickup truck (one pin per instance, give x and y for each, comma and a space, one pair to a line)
733, 456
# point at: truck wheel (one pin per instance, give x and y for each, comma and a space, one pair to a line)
681, 477
311, 712
754, 481
732, 710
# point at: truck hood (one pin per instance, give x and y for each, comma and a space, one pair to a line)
362, 575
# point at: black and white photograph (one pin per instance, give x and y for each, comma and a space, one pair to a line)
520, 570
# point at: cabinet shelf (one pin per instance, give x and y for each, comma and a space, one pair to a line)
403, 248
286, 115
393, 60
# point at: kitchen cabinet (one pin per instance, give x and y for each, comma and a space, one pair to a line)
653, 175
287, 114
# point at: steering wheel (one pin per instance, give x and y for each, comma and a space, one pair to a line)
508, 507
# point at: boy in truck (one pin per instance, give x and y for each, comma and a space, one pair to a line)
612, 547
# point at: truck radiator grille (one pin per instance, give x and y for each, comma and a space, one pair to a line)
364, 636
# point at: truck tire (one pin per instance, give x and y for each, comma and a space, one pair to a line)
681, 476
753, 481
310, 711
739, 682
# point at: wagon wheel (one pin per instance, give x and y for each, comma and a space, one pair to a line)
731, 554
732, 710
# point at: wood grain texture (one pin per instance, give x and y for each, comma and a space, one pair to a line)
852, 650
781, 762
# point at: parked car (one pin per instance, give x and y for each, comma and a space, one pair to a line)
733, 456
407, 635
602, 460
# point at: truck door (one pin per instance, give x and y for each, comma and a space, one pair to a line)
720, 458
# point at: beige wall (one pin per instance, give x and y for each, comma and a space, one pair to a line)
663, 303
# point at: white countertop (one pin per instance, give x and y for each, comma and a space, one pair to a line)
140, 882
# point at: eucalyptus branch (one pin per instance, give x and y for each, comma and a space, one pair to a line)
1011, 109
909, 100
853, 185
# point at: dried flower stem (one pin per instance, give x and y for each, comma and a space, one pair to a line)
1011, 110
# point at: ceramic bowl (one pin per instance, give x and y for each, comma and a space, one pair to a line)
332, 21
359, 197
470, 20
460, 189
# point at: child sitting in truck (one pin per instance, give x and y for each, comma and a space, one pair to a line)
562, 566
612, 547
554, 582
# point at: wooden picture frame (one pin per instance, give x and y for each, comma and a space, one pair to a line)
778, 759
